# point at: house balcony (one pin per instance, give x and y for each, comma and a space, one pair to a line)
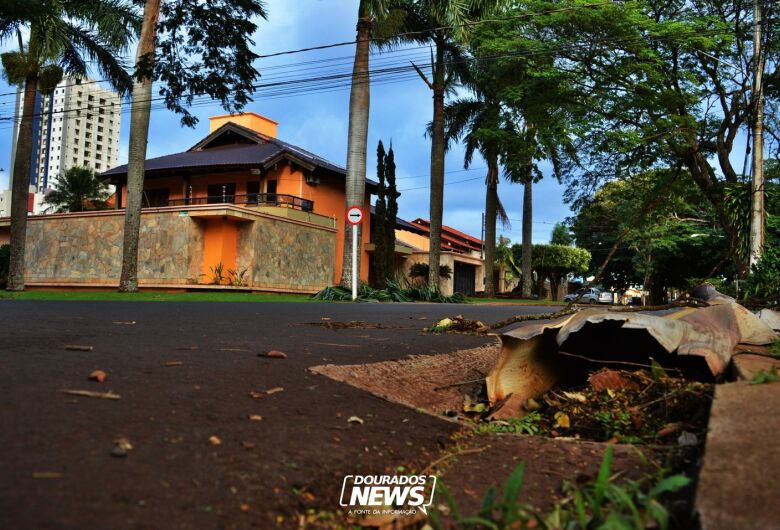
280, 200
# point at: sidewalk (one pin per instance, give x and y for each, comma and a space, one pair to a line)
739, 477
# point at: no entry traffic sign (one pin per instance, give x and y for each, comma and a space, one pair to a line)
354, 215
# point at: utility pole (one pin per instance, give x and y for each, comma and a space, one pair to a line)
757, 187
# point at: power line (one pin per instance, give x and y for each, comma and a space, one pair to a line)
304, 83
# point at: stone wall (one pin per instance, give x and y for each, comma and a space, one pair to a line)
280, 254
88, 248
285, 255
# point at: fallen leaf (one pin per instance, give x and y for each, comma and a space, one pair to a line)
255, 417
124, 443
562, 420
244, 508
248, 445
531, 405
98, 375
575, 396
275, 354
255, 394
46, 474
668, 429
610, 380
89, 393
76, 347
355, 419
468, 406
214, 440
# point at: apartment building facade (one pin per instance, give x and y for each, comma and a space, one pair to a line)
78, 124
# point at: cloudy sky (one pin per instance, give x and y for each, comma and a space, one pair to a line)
400, 110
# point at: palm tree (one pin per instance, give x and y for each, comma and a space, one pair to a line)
441, 23
483, 124
140, 113
77, 190
219, 66
357, 137
64, 36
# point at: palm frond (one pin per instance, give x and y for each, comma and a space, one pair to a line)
101, 54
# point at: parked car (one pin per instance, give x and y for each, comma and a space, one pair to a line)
584, 296
606, 297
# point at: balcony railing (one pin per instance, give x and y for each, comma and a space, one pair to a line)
251, 199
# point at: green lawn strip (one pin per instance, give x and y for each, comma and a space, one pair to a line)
514, 301
152, 296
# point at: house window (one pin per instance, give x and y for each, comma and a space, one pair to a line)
219, 193
156, 198
252, 190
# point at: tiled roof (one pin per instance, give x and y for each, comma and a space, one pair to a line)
402, 224
238, 155
452, 236
267, 150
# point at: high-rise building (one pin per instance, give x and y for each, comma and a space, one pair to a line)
76, 125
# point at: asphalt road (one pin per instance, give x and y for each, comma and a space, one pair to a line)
56, 467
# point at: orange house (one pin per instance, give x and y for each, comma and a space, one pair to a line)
243, 164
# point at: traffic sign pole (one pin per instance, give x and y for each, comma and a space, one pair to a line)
354, 217
354, 261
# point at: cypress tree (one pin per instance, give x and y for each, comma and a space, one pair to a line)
380, 226
391, 201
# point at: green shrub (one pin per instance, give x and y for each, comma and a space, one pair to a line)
420, 270
393, 292
763, 283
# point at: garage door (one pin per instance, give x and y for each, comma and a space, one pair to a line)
464, 278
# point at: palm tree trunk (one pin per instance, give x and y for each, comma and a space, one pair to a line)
438, 145
528, 217
20, 188
357, 141
491, 206
139, 133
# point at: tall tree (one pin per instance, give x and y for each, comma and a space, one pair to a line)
662, 84
534, 93
184, 45
63, 36
386, 211
443, 24
561, 235
378, 225
484, 126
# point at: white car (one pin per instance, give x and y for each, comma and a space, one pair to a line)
584, 296
605, 297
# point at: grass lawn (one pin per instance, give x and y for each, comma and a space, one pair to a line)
514, 301
151, 296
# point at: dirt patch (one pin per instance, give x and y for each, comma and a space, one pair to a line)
435, 383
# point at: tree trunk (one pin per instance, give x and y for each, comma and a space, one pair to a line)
757, 230
528, 217
438, 146
139, 133
491, 205
20, 188
357, 140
